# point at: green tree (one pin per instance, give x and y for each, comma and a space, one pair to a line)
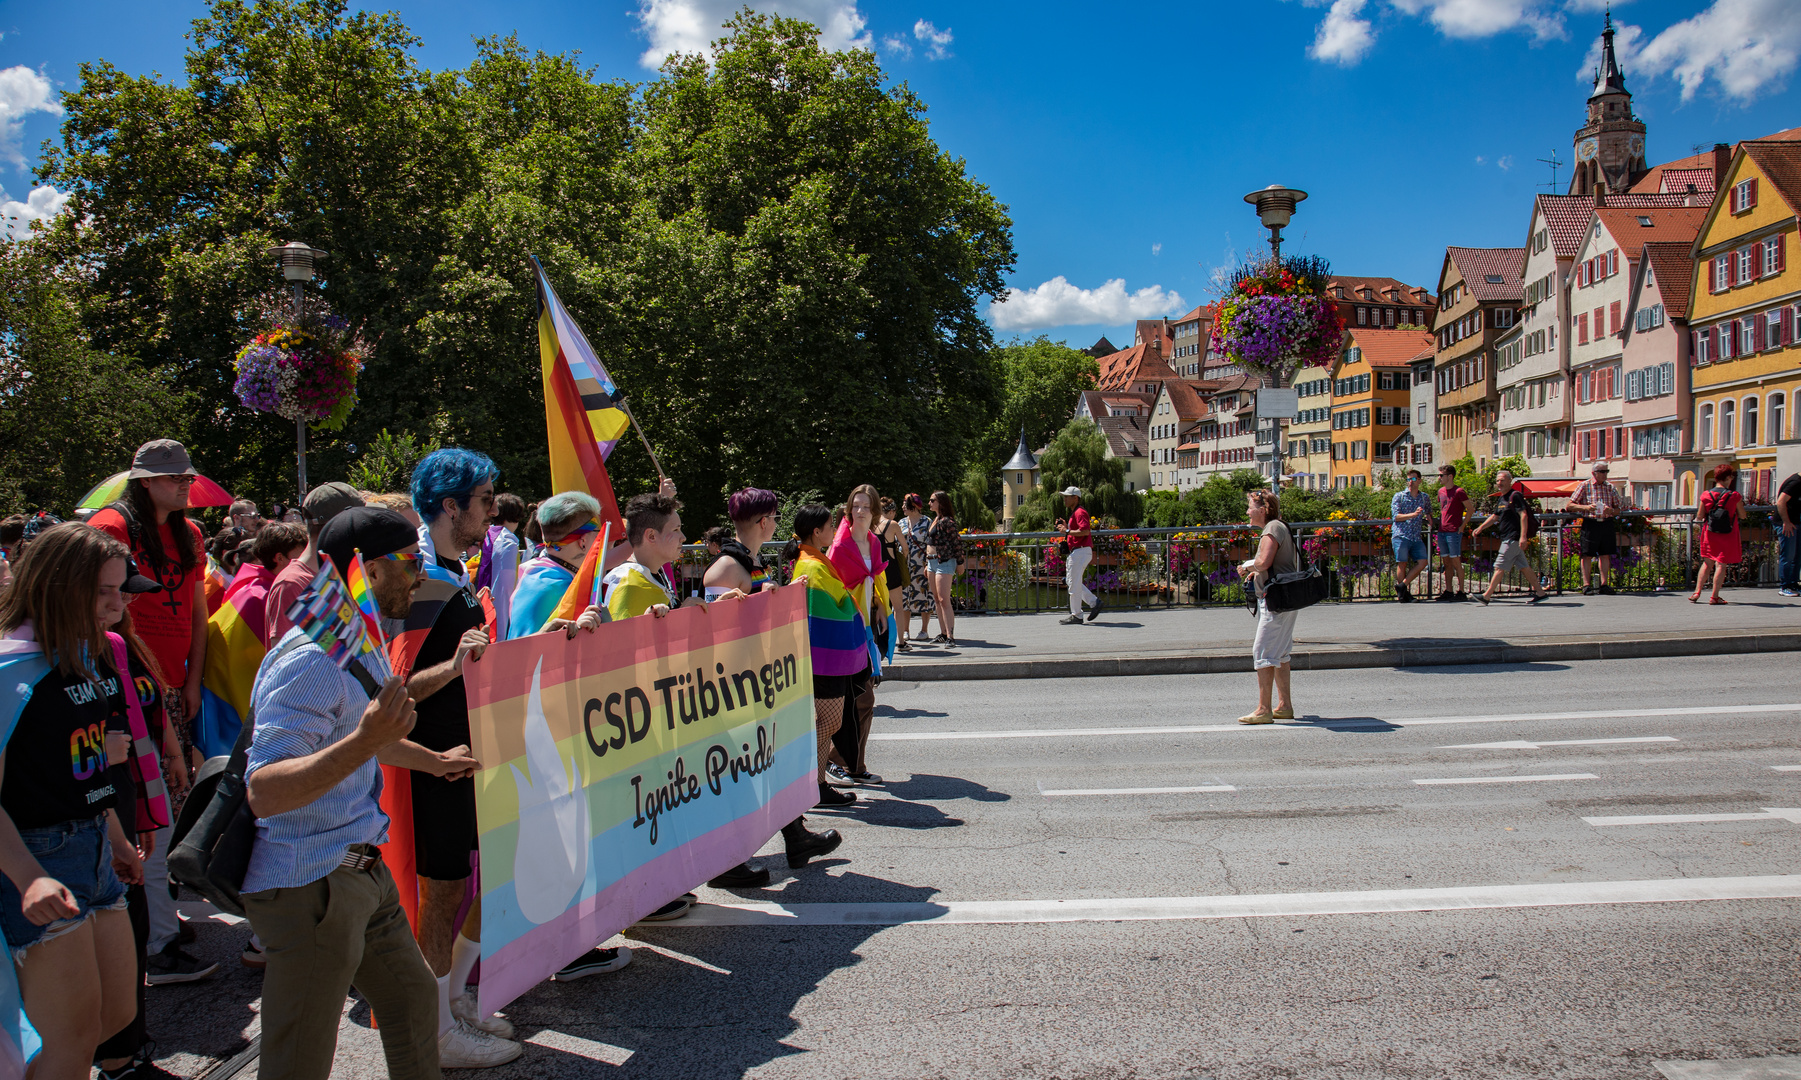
1078, 456
72, 413
1040, 380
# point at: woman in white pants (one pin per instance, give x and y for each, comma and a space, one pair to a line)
1275, 630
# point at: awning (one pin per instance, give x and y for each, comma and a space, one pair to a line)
1547, 489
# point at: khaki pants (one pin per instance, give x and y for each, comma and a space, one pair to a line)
320, 939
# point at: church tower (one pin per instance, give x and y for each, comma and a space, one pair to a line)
1610, 148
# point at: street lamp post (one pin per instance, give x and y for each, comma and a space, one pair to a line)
1275, 208
297, 260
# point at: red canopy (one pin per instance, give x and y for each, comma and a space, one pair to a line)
1547, 489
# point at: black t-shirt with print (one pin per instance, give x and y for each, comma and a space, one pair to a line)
1792, 488
56, 758
1508, 528
442, 720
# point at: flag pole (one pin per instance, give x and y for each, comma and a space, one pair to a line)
627, 407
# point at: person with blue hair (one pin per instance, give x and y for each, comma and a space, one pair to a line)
453, 491
570, 523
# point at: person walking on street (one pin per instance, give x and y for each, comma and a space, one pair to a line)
1512, 522
1453, 503
1599, 503
944, 546
1271, 649
1716, 519
1788, 541
1078, 535
1408, 509
316, 889
916, 594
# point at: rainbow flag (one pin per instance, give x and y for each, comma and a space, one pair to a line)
234, 652
328, 615
582, 406
839, 634
623, 767
215, 583
357, 584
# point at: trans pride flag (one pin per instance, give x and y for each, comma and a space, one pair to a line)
583, 409
626, 766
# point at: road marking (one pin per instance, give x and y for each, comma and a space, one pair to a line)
1325, 725
1770, 813
1786, 1067
1134, 790
1786, 768
1521, 744
1549, 894
1511, 779
588, 1048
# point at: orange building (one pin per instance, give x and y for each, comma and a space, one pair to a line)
1372, 392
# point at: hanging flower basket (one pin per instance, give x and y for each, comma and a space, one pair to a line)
1276, 318
302, 367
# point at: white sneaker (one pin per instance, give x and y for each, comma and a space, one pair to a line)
464, 1047
464, 1009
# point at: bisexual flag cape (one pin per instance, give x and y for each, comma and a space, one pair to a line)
542, 583
22, 664
234, 652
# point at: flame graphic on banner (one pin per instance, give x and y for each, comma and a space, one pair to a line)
551, 858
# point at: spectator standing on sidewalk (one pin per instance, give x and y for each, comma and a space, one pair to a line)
1408, 509
1511, 519
1717, 518
944, 546
1599, 503
1273, 646
1078, 533
1453, 503
1788, 541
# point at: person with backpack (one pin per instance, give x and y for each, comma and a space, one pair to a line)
1721, 509
1514, 524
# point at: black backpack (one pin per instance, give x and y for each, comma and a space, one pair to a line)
1719, 514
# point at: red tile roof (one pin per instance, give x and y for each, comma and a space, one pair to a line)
1478, 264
1205, 311
1781, 162
1674, 265
1125, 435
1382, 290
1566, 216
1391, 348
1185, 396
1680, 179
1681, 223
1129, 367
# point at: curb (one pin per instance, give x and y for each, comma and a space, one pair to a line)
1224, 661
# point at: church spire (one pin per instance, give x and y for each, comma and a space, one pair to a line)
1608, 77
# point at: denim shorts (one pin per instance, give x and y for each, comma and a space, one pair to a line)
942, 566
1407, 550
76, 853
1450, 545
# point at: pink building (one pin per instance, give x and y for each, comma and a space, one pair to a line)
1655, 360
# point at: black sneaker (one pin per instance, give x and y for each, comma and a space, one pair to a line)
829, 796
1073, 620
742, 876
593, 962
1095, 608
1402, 595
140, 1068
669, 912
1588, 590
174, 966
1605, 590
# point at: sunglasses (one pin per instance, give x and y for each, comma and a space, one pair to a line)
411, 561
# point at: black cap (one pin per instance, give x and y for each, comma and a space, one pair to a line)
136, 582
373, 530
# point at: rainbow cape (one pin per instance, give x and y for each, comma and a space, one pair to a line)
583, 410
839, 636
22, 664
542, 583
234, 651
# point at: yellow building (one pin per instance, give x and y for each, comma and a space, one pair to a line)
1018, 477
1747, 299
1372, 391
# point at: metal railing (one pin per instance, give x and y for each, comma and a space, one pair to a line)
1197, 566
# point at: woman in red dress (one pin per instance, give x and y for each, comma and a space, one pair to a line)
1716, 520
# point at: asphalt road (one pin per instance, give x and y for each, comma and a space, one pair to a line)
1018, 904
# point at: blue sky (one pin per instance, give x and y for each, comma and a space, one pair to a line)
1124, 137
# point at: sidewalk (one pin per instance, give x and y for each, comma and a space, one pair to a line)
1178, 641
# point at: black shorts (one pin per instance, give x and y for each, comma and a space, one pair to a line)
1599, 537
444, 830
839, 687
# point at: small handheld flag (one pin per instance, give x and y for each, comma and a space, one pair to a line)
606, 540
358, 585
327, 614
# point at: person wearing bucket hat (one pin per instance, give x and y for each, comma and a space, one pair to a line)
1078, 533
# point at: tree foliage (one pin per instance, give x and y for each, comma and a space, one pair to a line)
72, 413
1040, 380
768, 251
1078, 457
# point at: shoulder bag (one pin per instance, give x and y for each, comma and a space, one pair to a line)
1302, 588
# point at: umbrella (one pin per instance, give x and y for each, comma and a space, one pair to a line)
204, 493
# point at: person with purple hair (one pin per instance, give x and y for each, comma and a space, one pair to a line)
738, 572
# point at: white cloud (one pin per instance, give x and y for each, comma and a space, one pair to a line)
1157, 248
1480, 160
936, 41
22, 92
691, 26
1486, 18
42, 204
1745, 47
1343, 38
1505, 162
899, 46
1058, 303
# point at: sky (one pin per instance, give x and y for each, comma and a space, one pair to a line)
1123, 138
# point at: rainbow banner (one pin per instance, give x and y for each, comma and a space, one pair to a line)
624, 767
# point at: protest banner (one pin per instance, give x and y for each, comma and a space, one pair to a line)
626, 766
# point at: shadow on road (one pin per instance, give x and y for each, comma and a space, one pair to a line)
893, 713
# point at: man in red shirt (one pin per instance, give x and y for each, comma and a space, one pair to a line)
1078, 532
152, 520
322, 504
1453, 502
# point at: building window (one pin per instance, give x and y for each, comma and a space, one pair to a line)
1744, 195
1727, 418
1749, 422
1705, 440
1772, 255
1747, 336
1747, 264
1772, 328
1362, 315
1777, 402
